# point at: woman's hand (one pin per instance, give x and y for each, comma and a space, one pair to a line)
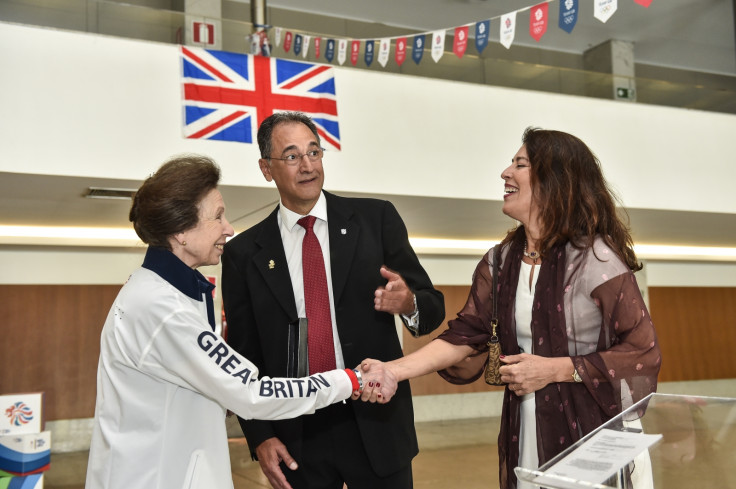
379, 381
525, 373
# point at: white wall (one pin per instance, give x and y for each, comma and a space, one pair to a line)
77, 266
89, 105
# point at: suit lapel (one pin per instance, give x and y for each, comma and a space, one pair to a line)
270, 261
344, 234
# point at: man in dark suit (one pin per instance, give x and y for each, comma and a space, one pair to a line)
372, 274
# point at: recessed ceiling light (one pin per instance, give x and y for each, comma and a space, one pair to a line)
643, 252
109, 193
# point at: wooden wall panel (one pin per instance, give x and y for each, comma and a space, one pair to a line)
51, 343
696, 327
51, 333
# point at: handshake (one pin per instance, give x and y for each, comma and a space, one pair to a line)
380, 381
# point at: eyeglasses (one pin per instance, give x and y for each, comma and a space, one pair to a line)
292, 158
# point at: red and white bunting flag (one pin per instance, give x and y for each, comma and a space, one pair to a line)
438, 45
461, 41
507, 29
400, 54
604, 9
317, 44
383, 51
354, 52
287, 41
645, 3
342, 49
305, 47
277, 36
538, 21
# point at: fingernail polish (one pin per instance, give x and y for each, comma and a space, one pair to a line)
378, 385
370, 384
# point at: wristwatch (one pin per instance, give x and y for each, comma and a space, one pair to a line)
415, 312
576, 376
360, 379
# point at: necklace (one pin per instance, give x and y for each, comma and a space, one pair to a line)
534, 255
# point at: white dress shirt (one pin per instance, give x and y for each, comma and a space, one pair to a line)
292, 235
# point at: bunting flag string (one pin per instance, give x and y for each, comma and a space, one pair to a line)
568, 15
438, 45
538, 21
400, 50
461, 41
481, 35
418, 48
369, 51
330, 50
305, 49
354, 52
603, 10
383, 51
508, 29
342, 49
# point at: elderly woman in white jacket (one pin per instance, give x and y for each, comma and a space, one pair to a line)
165, 377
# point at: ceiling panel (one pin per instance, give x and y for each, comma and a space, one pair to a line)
43, 200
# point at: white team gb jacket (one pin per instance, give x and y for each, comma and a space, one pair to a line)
165, 379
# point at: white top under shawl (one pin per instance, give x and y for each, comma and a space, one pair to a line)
528, 456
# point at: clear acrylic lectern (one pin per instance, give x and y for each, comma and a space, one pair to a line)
697, 448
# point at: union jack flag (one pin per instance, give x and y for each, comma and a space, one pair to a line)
227, 95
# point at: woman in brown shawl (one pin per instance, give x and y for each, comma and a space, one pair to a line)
578, 341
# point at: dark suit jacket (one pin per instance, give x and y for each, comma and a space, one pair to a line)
259, 305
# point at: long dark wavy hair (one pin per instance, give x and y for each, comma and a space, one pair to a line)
575, 202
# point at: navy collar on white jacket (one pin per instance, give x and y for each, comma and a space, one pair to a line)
188, 281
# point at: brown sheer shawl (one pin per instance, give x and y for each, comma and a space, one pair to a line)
587, 306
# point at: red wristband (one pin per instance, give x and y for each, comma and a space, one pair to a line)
353, 379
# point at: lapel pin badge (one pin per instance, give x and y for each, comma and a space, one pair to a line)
271, 264
343, 231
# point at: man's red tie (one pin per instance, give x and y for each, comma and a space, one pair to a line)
317, 301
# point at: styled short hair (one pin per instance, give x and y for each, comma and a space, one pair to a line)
269, 124
168, 201
575, 202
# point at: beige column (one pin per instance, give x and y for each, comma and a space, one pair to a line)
617, 59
